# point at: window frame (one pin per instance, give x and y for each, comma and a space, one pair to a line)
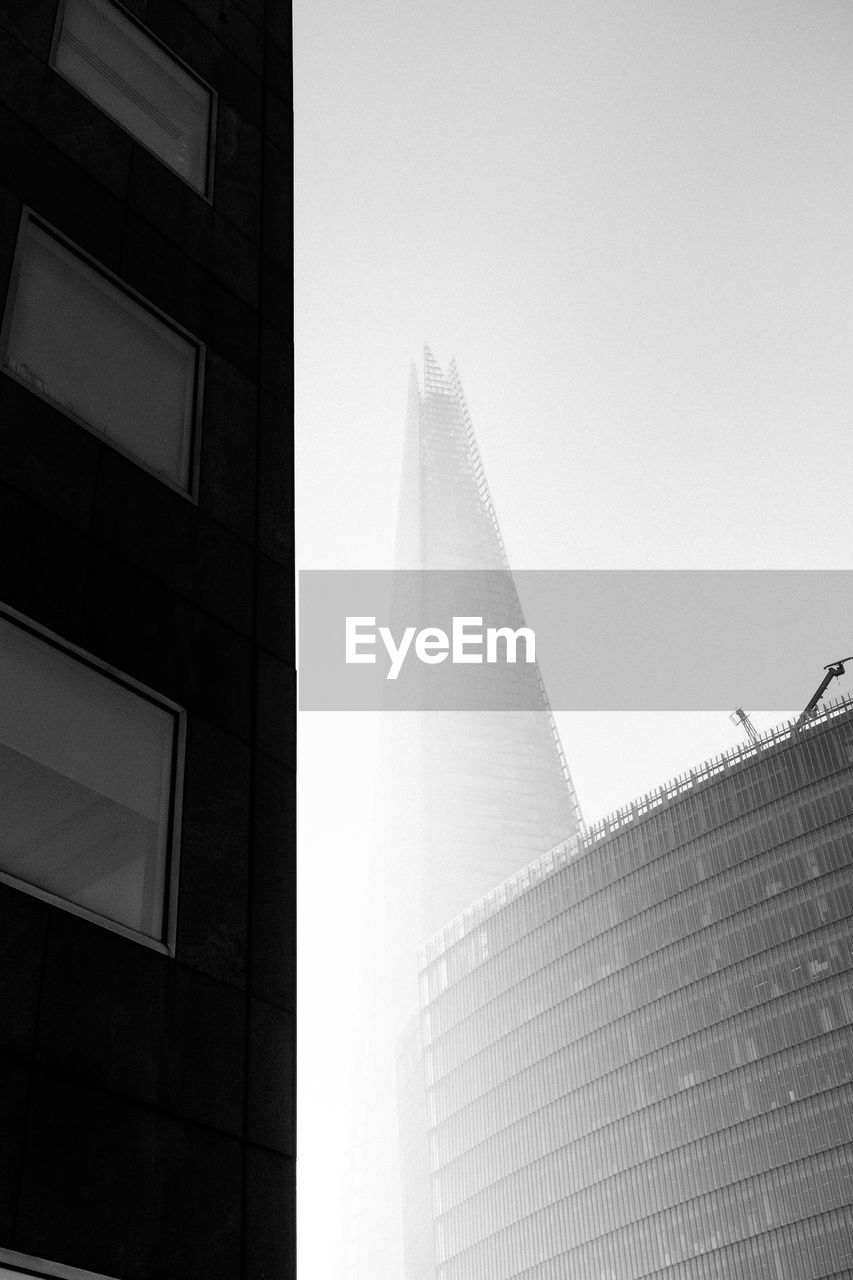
25, 1265
207, 193
166, 944
29, 217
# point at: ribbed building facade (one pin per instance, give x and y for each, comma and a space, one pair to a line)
639, 1051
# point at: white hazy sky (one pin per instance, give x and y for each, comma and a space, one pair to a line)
630, 222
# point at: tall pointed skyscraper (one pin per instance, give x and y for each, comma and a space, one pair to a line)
493, 788
464, 800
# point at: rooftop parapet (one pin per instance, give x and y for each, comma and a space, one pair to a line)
598, 833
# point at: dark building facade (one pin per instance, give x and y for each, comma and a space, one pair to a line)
639, 1051
146, 659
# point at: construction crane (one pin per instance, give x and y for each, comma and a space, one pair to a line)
739, 716
832, 670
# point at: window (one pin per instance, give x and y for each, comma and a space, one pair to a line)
87, 785
125, 72
105, 358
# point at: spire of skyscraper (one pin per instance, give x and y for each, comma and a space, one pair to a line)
495, 789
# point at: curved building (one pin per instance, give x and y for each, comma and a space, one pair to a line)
639, 1050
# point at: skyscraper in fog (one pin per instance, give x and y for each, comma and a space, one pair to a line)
464, 798
639, 1051
493, 790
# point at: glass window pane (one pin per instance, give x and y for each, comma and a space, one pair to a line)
134, 80
101, 355
85, 783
